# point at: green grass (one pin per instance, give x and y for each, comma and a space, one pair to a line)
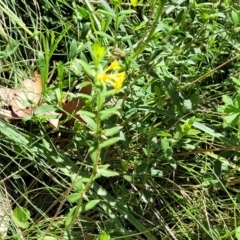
158, 159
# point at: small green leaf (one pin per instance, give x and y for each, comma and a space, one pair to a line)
145, 152
134, 3
192, 132
140, 26
227, 100
104, 114
237, 233
107, 13
191, 121
99, 51
157, 90
164, 134
172, 163
88, 206
73, 49
111, 131
87, 113
86, 67
116, 2
107, 173
232, 119
11, 48
165, 144
110, 141
170, 9
70, 215
156, 173
89, 121
43, 66
169, 153
74, 197
56, 41
236, 80
120, 20
82, 12
235, 17
129, 11
237, 103
2, 54
94, 152
230, 109
141, 168
78, 186
180, 15
186, 127
105, 35
128, 178
217, 15
21, 216
188, 147
83, 84
60, 71
104, 236
26, 118
48, 238
187, 104
76, 66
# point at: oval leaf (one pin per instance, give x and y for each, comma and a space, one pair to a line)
73, 49
107, 173
111, 131
74, 197
109, 142
70, 215
21, 216
88, 206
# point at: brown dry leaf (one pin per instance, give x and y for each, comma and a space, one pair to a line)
5, 94
20, 103
75, 105
21, 100
25, 99
28, 96
54, 123
7, 114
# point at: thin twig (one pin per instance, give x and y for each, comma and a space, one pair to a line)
16, 172
53, 71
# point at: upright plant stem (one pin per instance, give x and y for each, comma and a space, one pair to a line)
143, 43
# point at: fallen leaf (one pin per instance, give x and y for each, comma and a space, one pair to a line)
75, 105
8, 115
54, 123
28, 96
5, 94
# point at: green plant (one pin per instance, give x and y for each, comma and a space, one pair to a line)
143, 103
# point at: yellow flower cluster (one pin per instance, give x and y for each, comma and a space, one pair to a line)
114, 79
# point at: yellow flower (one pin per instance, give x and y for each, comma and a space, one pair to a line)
114, 79
103, 77
113, 66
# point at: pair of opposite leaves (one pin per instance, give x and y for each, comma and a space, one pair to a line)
25, 99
